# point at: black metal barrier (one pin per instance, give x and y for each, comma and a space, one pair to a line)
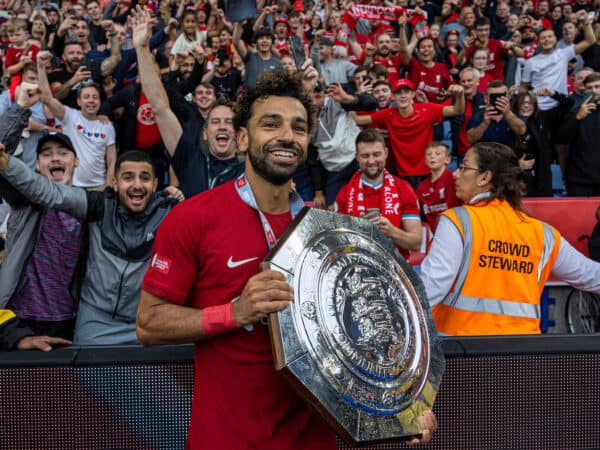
497, 393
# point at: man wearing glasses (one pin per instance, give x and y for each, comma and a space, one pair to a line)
489, 260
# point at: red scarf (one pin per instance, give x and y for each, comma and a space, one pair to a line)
355, 200
378, 13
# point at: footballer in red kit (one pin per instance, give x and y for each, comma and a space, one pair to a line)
214, 293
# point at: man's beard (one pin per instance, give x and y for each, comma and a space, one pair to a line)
527, 40
275, 174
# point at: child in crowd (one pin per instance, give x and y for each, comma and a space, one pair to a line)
436, 194
190, 34
21, 50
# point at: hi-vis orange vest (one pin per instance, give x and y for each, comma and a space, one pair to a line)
507, 258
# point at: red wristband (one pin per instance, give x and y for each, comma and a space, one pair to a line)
218, 319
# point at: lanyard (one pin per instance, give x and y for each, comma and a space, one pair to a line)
245, 192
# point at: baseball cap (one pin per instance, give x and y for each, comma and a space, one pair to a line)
326, 41
60, 138
282, 19
403, 82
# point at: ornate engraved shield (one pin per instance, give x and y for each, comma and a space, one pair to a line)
358, 342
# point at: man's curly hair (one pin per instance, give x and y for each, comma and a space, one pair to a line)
272, 83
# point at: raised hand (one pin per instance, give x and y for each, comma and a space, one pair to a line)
141, 23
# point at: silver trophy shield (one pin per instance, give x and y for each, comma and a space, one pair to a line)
358, 342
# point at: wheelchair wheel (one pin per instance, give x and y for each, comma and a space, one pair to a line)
583, 312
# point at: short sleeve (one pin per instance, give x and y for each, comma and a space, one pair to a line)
70, 116
380, 118
174, 265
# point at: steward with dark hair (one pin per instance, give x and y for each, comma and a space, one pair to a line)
489, 260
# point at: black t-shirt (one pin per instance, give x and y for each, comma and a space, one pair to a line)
229, 84
62, 76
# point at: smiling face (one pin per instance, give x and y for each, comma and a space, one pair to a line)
219, 132
89, 101
526, 106
371, 157
404, 98
134, 184
384, 45
72, 56
189, 25
383, 95
56, 162
426, 51
547, 41
276, 138
204, 97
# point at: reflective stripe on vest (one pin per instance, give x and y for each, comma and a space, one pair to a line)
490, 305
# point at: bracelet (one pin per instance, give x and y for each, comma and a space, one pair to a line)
218, 319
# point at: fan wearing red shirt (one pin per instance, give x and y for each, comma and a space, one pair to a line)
427, 75
499, 50
375, 194
437, 193
204, 283
410, 127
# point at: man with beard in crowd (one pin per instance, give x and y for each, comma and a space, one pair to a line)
111, 231
196, 171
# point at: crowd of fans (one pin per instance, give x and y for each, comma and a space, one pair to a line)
434, 77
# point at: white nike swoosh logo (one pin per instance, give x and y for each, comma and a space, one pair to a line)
233, 264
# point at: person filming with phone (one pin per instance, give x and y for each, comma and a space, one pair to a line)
375, 194
496, 122
581, 129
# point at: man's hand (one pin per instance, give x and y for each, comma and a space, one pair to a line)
503, 105
526, 164
27, 94
337, 93
491, 114
173, 192
43, 59
544, 92
309, 75
180, 58
199, 52
141, 23
429, 425
108, 26
455, 90
43, 343
384, 225
264, 293
81, 74
586, 109
319, 200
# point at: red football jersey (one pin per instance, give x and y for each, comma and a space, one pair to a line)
408, 205
436, 197
204, 253
410, 135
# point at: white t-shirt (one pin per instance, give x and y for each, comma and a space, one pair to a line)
549, 70
183, 45
90, 138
